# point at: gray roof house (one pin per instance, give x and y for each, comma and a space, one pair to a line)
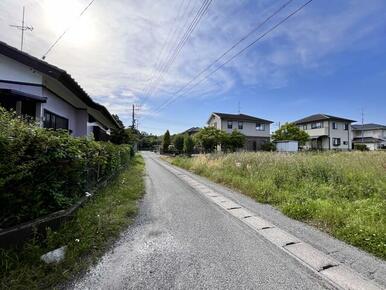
256, 130
191, 131
36, 88
372, 135
327, 132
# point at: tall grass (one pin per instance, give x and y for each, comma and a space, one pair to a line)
343, 193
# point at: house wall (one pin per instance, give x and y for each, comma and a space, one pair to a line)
215, 121
344, 135
59, 107
380, 134
327, 130
249, 128
14, 71
316, 132
253, 143
60, 100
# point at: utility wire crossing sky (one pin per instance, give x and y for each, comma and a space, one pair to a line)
180, 59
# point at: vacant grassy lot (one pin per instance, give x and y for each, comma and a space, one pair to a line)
342, 193
87, 236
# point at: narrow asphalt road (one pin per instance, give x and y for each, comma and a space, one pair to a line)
181, 240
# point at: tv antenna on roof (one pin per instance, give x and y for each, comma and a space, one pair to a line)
22, 28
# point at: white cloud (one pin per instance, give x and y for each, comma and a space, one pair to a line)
111, 51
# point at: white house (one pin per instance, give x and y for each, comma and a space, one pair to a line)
327, 132
256, 130
36, 88
371, 135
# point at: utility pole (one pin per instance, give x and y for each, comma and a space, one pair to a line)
133, 119
362, 125
238, 107
22, 28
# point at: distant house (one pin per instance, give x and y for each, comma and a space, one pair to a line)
49, 94
192, 131
371, 135
256, 130
327, 132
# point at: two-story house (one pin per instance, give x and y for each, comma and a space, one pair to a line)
371, 135
256, 130
49, 94
327, 132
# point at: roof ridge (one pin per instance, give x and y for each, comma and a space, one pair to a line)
54, 72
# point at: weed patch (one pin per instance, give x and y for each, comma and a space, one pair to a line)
342, 193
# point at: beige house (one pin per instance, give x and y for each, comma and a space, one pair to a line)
256, 130
371, 135
327, 132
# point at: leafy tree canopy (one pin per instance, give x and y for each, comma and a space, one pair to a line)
233, 141
179, 142
208, 138
289, 131
166, 141
188, 144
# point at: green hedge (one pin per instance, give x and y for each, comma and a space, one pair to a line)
42, 171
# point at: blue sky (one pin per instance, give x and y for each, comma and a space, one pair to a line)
329, 58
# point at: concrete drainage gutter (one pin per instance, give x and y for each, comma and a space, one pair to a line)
328, 268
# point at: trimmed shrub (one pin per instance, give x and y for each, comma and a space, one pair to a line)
42, 171
361, 147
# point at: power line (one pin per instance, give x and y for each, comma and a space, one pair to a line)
173, 98
168, 46
169, 38
65, 31
173, 55
235, 45
182, 42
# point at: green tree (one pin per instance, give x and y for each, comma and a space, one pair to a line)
289, 131
179, 143
233, 141
188, 144
208, 138
166, 141
148, 141
116, 117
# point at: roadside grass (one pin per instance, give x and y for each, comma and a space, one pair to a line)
342, 193
87, 235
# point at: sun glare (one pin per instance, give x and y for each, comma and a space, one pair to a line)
61, 14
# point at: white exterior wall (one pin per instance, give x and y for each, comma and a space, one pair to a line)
380, 134
249, 128
67, 105
316, 132
344, 135
330, 133
14, 71
61, 108
215, 121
